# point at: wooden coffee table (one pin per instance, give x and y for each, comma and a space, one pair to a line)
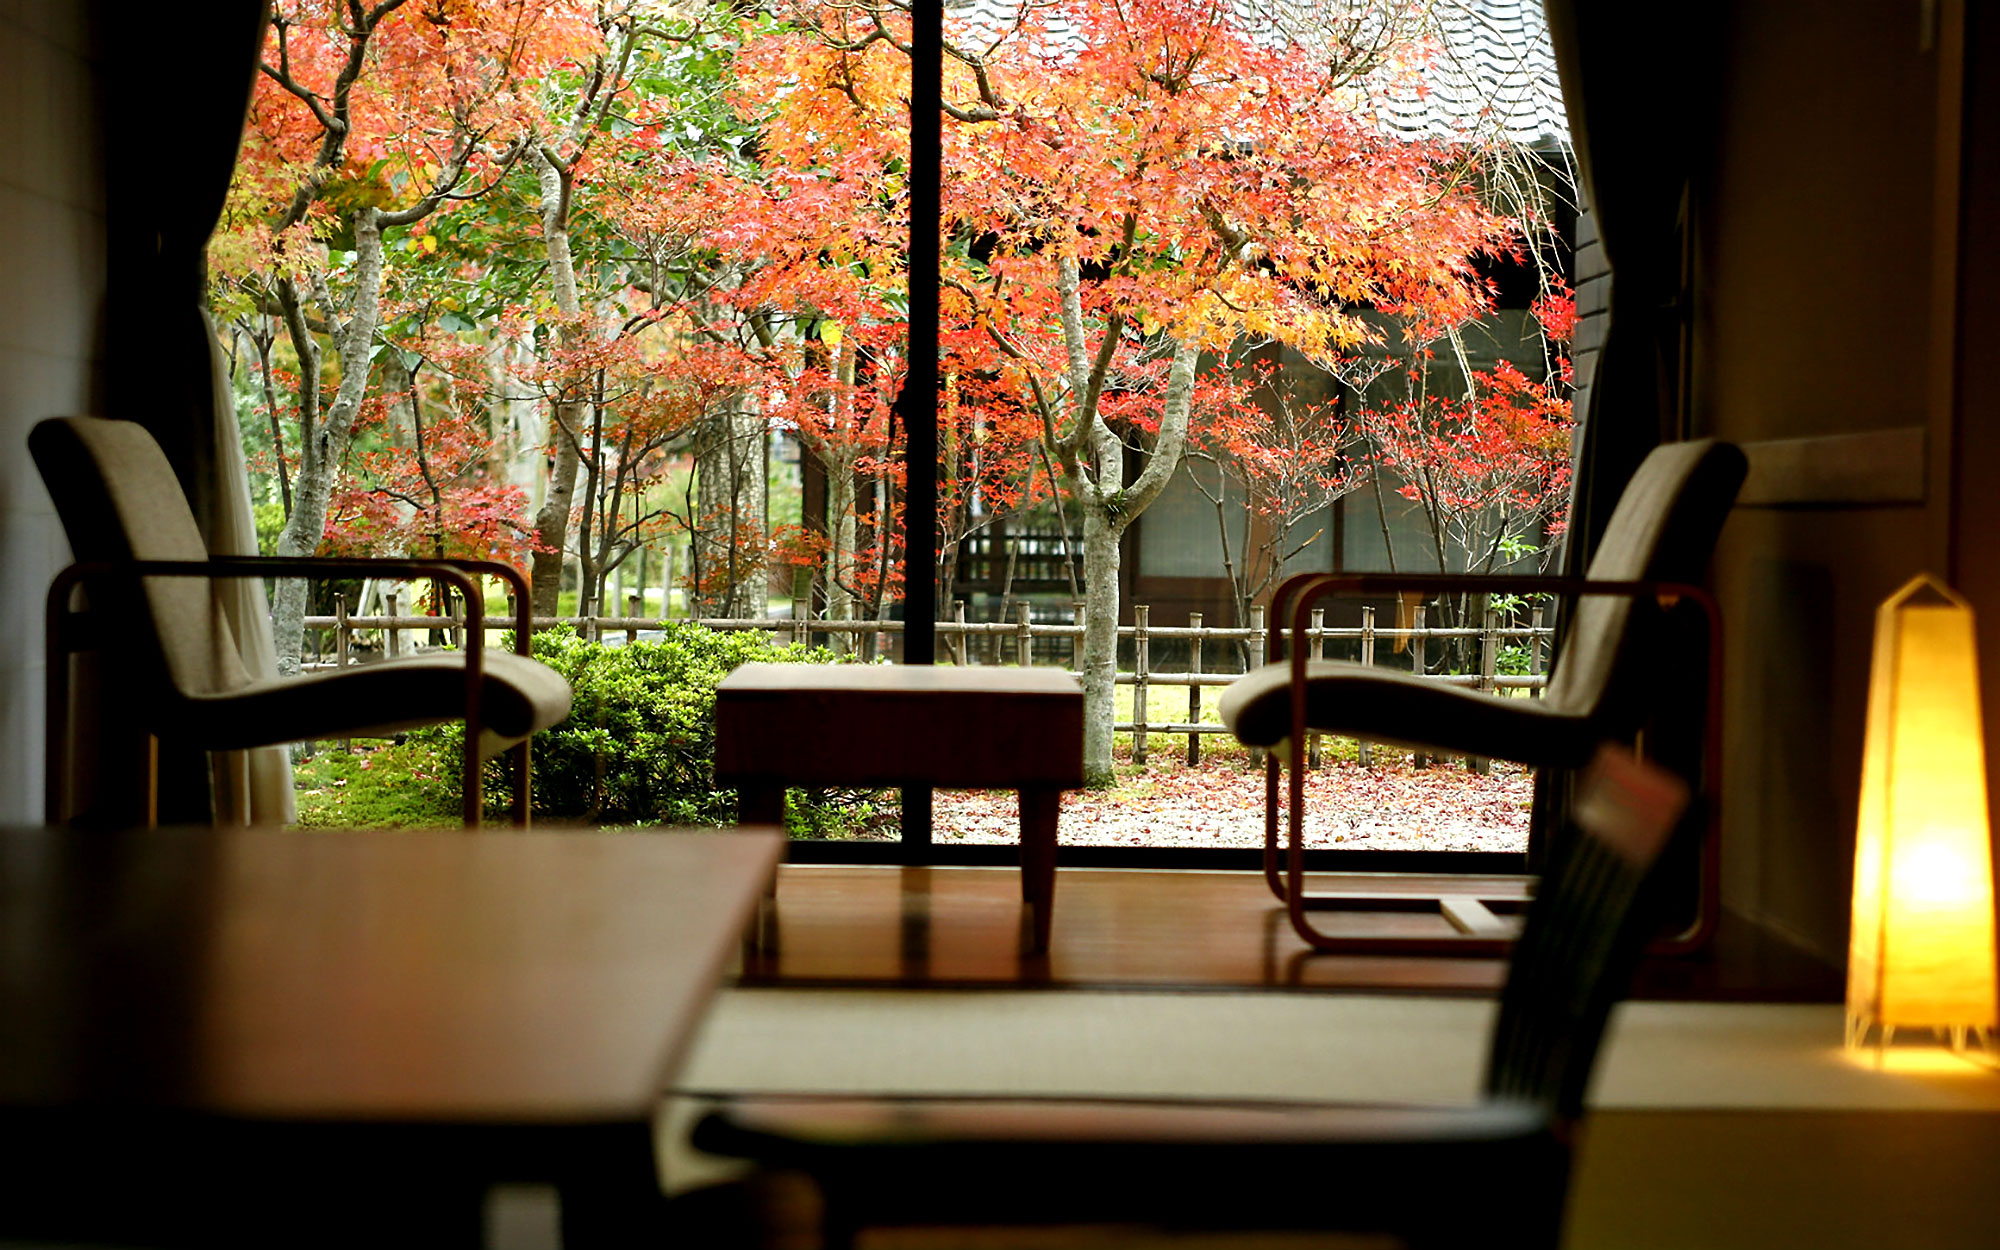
233, 1036
878, 725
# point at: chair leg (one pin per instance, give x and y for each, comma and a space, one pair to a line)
151, 756
1273, 875
840, 1224
55, 780
1293, 890
116, 784
519, 763
474, 800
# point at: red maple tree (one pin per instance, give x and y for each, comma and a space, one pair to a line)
1489, 470
367, 120
1131, 193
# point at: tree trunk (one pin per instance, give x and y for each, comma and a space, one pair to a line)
840, 557
552, 519
1100, 641
323, 442
515, 421
842, 524
730, 482
262, 342
399, 389
1108, 508
878, 606
589, 575
751, 521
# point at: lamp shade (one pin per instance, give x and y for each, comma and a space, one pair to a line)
1922, 952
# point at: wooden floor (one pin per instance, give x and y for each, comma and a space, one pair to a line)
961, 927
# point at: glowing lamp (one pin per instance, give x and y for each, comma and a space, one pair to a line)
1922, 953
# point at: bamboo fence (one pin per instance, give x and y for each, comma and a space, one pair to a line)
1002, 642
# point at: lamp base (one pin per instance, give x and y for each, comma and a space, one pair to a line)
1861, 1024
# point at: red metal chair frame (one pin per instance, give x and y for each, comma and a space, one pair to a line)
1291, 608
457, 574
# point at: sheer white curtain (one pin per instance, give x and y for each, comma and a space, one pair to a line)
254, 786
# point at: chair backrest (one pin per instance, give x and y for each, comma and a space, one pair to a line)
1592, 915
119, 500
1664, 529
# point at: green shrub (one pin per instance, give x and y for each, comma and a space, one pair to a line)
639, 744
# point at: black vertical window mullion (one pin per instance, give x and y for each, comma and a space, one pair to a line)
920, 385
918, 401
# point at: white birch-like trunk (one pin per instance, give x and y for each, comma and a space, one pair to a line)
1101, 536
1109, 508
325, 445
559, 497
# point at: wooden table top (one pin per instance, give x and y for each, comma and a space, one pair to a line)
899, 724
751, 679
451, 978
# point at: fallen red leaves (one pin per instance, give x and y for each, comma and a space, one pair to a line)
1220, 803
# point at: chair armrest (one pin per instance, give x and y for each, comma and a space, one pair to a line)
458, 574
763, 1125
1293, 599
392, 566
1296, 595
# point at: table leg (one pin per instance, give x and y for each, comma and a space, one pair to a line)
760, 932
1039, 809
611, 1193
760, 803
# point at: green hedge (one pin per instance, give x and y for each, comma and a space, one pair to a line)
639, 744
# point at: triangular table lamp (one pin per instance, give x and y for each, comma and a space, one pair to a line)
1922, 952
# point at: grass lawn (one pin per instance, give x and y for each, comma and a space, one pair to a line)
379, 785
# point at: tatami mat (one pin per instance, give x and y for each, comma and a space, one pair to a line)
1660, 1058
1267, 1045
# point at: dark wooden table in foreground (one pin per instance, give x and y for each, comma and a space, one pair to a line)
212, 1037
876, 725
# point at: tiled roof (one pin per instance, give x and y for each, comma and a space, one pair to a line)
1495, 71
1496, 65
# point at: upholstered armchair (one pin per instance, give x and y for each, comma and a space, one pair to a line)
142, 564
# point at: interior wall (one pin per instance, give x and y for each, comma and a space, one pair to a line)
1975, 378
52, 277
1816, 317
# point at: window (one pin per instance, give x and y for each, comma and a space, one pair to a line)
553, 283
